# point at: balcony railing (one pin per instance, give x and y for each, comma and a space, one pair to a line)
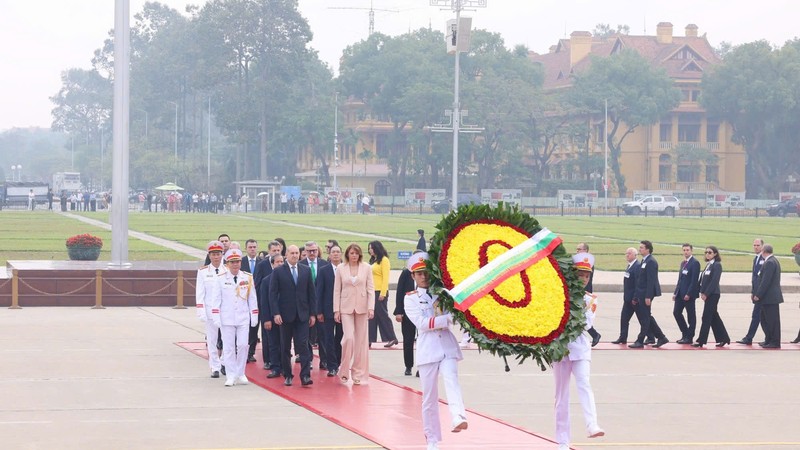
702, 145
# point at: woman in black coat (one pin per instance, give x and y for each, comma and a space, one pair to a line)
709, 293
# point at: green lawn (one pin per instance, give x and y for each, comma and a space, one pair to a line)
41, 235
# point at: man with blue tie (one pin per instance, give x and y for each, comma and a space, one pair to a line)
647, 289
755, 319
686, 292
249, 266
292, 299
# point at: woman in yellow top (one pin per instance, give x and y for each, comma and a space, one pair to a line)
379, 259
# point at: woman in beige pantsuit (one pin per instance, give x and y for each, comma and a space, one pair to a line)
353, 306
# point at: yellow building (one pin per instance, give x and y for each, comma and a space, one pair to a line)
649, 157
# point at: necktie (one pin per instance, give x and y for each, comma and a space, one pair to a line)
252, 265
234, 279
314, 271
216, 271
294, 274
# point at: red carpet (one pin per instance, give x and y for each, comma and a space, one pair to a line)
386, 413
709, 346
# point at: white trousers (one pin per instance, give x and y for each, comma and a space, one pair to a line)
562, 371
235, 356
212, 334
429, 379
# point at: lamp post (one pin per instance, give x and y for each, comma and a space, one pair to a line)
176, 142
605, 169
335, 141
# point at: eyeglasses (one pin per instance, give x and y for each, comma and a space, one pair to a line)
312, 251
709, 252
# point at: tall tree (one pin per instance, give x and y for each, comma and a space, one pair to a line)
756, 91
637, 93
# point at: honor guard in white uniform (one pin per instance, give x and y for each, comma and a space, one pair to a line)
206, 279
577, 363
437, 352
237, 310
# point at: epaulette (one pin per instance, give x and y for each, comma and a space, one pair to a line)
411, 292
204, 267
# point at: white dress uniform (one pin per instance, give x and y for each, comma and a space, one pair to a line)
437, 351
235, 301
206, 279
577, 363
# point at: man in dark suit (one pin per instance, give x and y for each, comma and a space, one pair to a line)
263, 267
647, 289
263, 270
326, 326
315, 263
270, 333
249, 262
686, 292
293, 301
755, 319
768, 293
628, 288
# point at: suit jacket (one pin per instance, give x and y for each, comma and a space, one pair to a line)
264, 311
768, 290
353, 298
709, 281
292, 302
325, 279
688, 280
758, 261
647, 285
629, 282
246, 264
320, 263
405, 284
263, 268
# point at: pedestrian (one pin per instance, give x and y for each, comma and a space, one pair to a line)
421, 243
755, 318
353, 306
647, 289
686, 292
584, 248
628, 289
379, 259
768, 293
236, 309
710, 293
577, 363
405, 283
437, 353
207, 278
270, 333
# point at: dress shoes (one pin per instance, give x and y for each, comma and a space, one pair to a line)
723, 343
229, 382
266, 366
745, 341
288, 381
771, 346
761, 344
333, 372
215, 374
636, 344
407, 372
356, 381
391, 343
661, 341
306, 381
683, 341
323, 366
222, 370
251, 359
460, 426
596, 339
596, 432
417, 374
796, 340
242, 380
620, 341
650, 342
697, 345
274, 374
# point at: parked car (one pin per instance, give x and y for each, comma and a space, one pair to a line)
443, 206
790, 206
661, 204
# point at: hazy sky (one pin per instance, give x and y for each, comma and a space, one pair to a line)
41, 38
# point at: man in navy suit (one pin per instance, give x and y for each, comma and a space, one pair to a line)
686, 292
326, 326
755, 319
293, 301
270, 333
263, 270
647, 289
768, 293
628, 288
315, 263
263, 267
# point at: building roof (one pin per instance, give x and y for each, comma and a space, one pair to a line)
684, 58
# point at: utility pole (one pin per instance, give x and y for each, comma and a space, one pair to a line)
335, 141
371, 13
457, 42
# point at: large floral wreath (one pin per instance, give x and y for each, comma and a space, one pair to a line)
533, 314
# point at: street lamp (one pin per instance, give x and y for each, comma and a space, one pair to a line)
176, 141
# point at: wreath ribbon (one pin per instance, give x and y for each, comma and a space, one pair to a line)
504, 266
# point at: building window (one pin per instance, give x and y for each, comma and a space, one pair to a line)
382, 145
600, 132
665, 132
712, 132
687, 173
712, 174
665, 168
689, 127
